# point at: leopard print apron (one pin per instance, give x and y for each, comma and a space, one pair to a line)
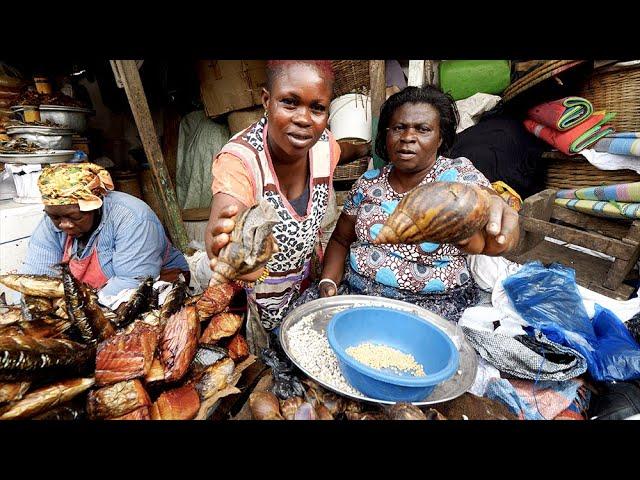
296, 235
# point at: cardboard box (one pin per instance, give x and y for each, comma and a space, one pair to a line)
230, 85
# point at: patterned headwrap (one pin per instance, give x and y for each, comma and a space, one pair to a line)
83, 184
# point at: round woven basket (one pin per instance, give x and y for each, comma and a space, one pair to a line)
616, 91
351, 171
577, 172
543, 72
350, 76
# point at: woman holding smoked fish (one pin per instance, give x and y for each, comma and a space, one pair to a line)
111, 240
287, 158
419, 254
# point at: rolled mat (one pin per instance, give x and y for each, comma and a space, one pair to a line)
623, 192
562, 114
601, 209
621, 143
463, 78
577, 138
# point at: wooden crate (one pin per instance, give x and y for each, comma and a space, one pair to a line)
619, 239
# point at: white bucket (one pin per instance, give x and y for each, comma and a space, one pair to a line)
25, 178
350, 117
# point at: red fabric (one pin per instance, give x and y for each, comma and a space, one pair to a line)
548, 114
87, 270
562, 140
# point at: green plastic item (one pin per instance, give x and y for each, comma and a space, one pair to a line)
463, 78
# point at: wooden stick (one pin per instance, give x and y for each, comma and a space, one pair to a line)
130, 77
378, 89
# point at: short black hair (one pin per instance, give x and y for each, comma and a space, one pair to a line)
442, 102
275, 68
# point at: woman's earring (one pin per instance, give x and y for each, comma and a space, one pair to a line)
266, 114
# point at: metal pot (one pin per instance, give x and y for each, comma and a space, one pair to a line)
69, 117
48, 137
74, 118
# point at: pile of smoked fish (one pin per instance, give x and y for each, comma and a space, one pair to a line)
64, 356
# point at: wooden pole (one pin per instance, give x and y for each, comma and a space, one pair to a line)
378, 89
416, 73
128, 73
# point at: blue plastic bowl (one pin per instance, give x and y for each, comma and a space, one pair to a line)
410, 334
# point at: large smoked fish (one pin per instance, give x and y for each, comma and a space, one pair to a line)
74, 301
99, 322
179, 343
222, 325
22, 357
46, 398
128, 356
180, 403
139, 303
174, 301
42, 327
117, 400
216, 299
215, 378
35, 285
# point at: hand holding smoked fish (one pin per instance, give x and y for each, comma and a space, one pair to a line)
439, 212
250, 246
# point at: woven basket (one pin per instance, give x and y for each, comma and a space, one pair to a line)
616, 91
351, 171
351, 76
577, 172
545, 71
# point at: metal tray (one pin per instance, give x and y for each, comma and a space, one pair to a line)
53, 156
324, 309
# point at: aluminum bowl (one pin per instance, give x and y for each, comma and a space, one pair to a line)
73, 118
48, 137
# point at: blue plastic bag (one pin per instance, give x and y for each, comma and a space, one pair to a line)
549, 300
617, 356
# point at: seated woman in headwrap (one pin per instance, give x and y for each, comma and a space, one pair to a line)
111, 240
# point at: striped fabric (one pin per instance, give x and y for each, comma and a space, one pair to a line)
621, 143
601, 209
623, 192
562, 114
131, 245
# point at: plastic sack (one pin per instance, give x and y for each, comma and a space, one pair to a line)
548, 299
617, 356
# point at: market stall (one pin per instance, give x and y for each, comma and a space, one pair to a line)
551, 340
